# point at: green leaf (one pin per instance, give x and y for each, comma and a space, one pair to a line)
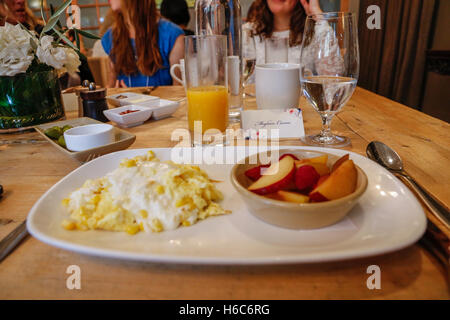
50, 24
28, 31
86, 34
33, 44
42, 10
55, 17
33, 38
67, 41
58, 23
62, 8
77, 39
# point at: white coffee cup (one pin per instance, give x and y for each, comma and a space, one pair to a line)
277, 85
180, 65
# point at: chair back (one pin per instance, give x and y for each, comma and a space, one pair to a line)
100, 69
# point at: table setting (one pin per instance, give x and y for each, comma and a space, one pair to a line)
276, 180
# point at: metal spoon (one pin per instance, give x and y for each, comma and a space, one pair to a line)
389, 159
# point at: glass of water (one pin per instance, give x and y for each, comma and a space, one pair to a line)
248, 58
329, 69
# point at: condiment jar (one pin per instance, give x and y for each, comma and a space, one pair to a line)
94, 102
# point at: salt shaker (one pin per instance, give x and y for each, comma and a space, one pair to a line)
84, 86
94, 102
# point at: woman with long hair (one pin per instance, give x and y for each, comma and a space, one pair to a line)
278, 19
17, 11
141, 45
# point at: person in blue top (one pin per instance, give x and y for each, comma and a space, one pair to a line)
141, 45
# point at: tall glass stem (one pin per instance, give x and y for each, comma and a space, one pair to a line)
326, 126
326, 135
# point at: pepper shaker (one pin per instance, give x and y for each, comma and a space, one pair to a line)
84, 86
94, 102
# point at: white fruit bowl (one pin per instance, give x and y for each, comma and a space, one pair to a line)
296, 215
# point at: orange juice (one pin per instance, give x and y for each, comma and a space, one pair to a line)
208, 104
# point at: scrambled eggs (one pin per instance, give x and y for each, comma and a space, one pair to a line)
144, 194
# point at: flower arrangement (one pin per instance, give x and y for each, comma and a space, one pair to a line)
24, 51
21, 51
29, 67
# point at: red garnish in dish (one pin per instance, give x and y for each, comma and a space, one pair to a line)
127, 112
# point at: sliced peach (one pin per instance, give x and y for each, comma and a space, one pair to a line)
340, 183
322, 179
317, 197
322, 169
278, 176
274, 196
340, 161
320, 159
294, 197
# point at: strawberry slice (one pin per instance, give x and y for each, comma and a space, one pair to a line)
306, 178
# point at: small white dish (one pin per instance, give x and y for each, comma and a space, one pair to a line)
89, 136
164, 109
131, 98
138, 116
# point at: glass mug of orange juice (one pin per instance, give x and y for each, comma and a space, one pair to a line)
206, 82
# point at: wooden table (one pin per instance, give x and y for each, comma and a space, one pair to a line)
29, 166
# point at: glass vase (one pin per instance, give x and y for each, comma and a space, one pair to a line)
29, 99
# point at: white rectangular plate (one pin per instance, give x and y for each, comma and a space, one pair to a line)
387, 218
133, 98
164, 109
123, 139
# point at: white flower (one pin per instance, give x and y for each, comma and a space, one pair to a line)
16, 53
59, 57
53, 56
72, 62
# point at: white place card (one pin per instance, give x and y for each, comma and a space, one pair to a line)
289, 122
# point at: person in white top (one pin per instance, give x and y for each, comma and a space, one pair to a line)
277, 19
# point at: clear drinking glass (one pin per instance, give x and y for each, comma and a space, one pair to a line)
206, 83
248, 58
223, 17
329, 69
276, 50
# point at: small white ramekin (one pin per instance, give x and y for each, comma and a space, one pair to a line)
128, 120
89, 136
